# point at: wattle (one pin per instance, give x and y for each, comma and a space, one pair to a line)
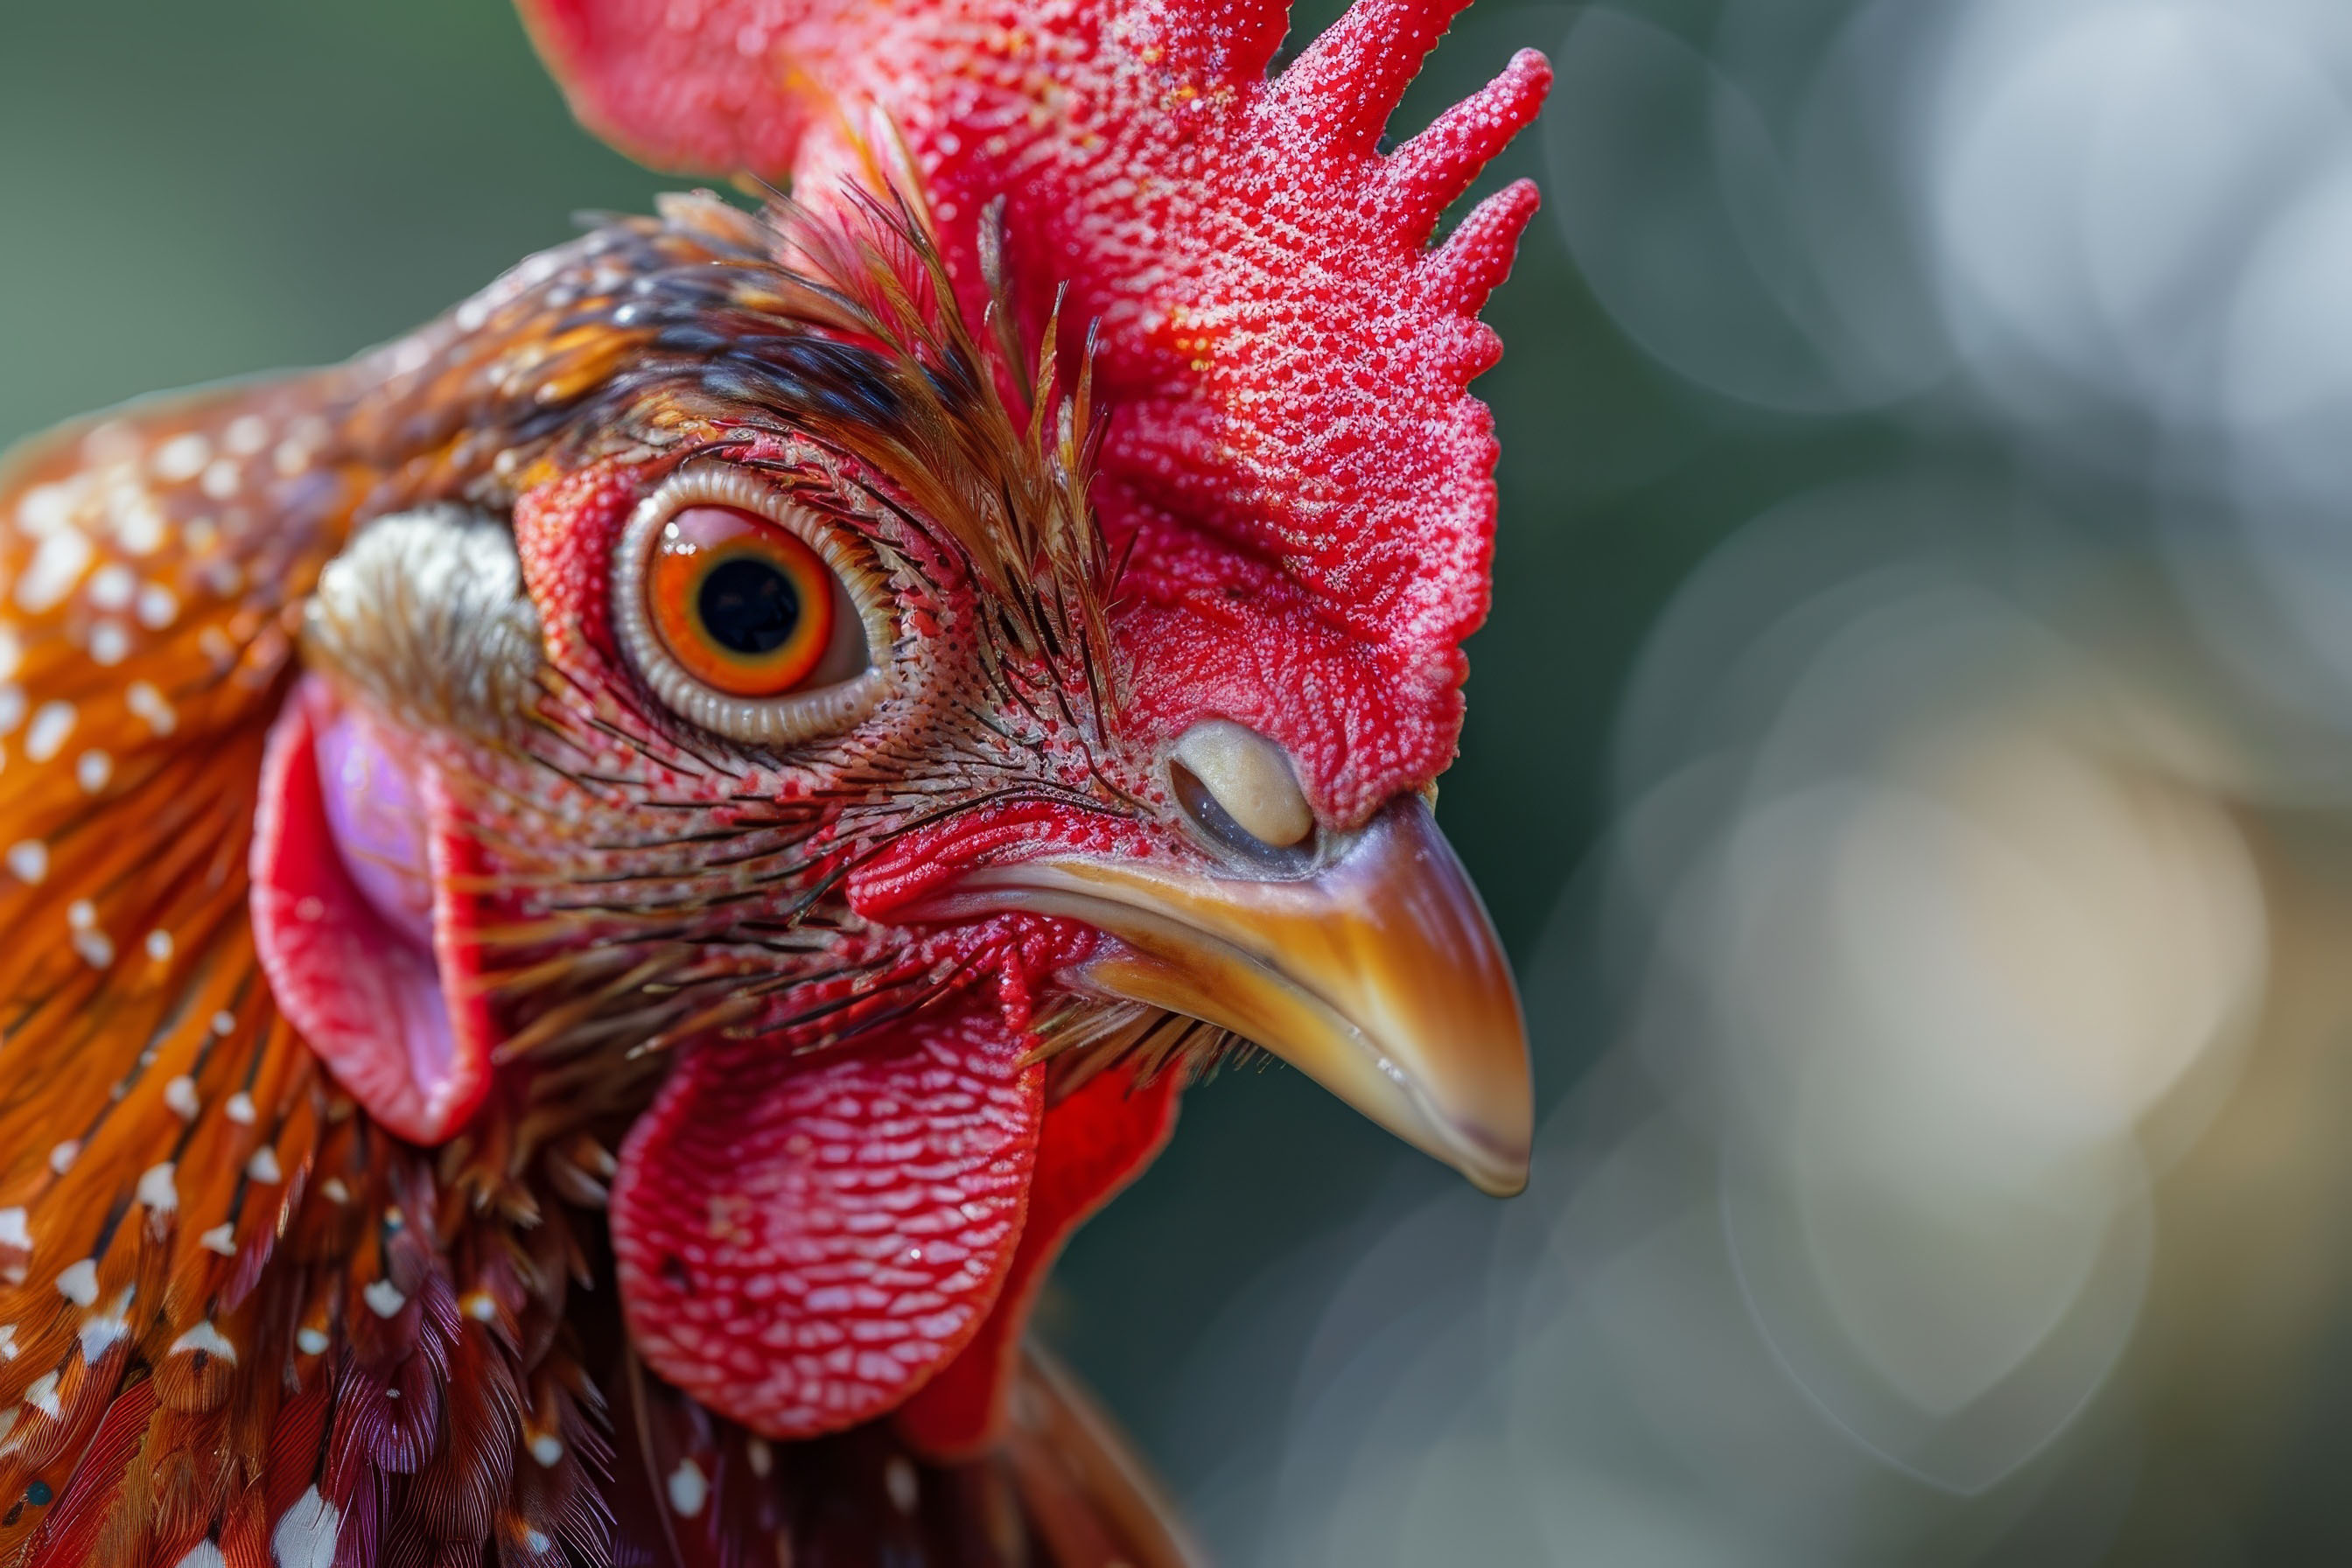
804, 1242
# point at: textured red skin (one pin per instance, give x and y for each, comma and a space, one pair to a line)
565, 535
1094, 1142
789, 1319
802, 1244
1283, 360
928, 862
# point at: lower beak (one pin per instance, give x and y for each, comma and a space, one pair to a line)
1379, 975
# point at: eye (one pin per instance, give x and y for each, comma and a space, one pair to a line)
742, 605
745, 614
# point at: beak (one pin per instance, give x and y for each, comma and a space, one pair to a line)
1379, 975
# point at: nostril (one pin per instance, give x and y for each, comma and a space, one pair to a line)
1217, 826
1238, 787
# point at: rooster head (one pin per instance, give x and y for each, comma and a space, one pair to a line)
797, 728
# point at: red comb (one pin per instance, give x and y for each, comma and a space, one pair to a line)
1283, 355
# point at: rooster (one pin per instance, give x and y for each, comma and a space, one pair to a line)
592, 893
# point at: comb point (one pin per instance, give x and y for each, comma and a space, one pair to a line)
1477, 255
1347, 83
1422, 177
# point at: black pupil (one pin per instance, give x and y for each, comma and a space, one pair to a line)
748, 606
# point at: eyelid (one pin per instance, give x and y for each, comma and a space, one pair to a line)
781, 720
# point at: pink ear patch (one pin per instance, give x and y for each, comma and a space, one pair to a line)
353, 854
803, 1241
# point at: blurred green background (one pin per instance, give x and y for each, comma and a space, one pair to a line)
1910, 761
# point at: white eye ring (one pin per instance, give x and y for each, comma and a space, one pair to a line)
776, 721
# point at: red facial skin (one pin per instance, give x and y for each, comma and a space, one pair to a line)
803, 1245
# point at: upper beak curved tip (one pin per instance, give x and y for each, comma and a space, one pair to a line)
1499, 1173
1379, 976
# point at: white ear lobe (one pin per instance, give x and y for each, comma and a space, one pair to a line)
1251, 778
426, 613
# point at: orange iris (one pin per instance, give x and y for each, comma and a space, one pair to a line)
742, 604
